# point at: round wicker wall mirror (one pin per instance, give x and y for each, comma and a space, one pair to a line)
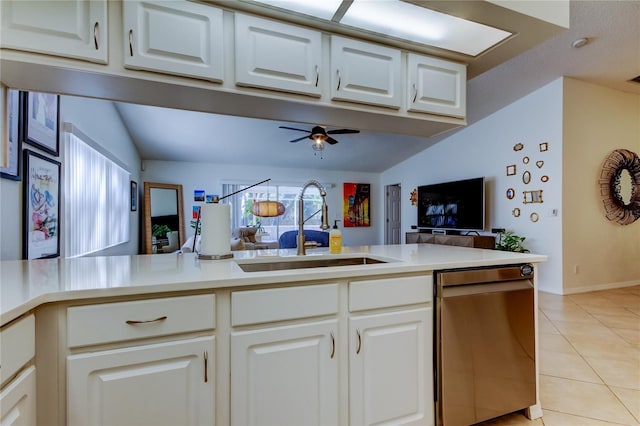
620, 186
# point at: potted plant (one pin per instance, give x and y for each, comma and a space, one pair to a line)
508, 241
160, 231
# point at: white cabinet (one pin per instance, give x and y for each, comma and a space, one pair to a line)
18, 400
390, 360
365, 73
277, 56
174, 37
436, 86
17, 377
390, 351
167, 383
70, 28
285, 375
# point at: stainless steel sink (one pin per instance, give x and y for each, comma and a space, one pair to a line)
280, 265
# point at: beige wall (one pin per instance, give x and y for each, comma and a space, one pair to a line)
596, 121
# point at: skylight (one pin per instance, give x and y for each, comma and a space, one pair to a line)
398, 19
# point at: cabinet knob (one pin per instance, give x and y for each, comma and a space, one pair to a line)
95, 35
131, 43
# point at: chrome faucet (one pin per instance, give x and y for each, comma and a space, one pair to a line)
302, 220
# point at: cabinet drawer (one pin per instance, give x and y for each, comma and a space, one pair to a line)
17, 346
279, 304
112, 322
372, 294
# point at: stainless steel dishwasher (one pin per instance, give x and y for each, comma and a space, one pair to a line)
485, 343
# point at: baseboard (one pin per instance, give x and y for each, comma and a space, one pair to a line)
598, 287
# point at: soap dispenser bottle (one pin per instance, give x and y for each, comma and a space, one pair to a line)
335, 239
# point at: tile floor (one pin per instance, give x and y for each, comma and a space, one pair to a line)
589, 360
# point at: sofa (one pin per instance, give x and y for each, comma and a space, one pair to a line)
249, 242
289, 239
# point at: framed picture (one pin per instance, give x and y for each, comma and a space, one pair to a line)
134, 196
41, 199
41, 119
356, 204
11, 134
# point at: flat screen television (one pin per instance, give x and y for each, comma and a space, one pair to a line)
456, 205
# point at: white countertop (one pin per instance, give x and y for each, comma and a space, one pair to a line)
24, 285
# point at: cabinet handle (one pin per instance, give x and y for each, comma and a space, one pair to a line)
206, 366
415, 93
317, 75
133, 322
359, 341
131, 43
95, 35
333, 345
339, 79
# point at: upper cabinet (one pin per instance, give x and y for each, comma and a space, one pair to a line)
365, 73
277, 56
181, 38
72, 28
436, 86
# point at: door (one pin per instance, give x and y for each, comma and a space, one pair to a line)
392, 212
285, 376
18, 400
365, 72
72, 28
169, 383
277, 56
436, 86
181, 38
390, 368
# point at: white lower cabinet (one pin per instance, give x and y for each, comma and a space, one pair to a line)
390, 360
285, 375
18, 400
169, 383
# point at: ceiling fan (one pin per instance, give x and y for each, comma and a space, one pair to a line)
319, 135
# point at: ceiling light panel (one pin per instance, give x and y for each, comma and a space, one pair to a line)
323, 9
420, 25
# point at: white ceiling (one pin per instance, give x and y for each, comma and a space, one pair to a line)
610, 59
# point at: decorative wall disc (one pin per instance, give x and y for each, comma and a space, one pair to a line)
544, 178
516, 212
525, 160
620, 186
518, 147
534, 217
511, 193
526, 177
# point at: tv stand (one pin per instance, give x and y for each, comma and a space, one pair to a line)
475, 241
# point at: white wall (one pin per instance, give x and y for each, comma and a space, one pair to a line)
485, 149
210, 177
99, 120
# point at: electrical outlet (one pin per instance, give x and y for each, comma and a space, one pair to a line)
553, 212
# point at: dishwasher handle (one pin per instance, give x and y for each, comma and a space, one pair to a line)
472, 289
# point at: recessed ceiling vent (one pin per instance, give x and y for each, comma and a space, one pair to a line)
636, 79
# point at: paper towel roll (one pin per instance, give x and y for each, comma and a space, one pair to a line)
216, 229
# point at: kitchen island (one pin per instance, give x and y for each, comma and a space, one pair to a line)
212, 344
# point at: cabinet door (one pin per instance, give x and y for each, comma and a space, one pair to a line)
277, 56
18, 400
174, 37
168, 383
390, 368
436, 86
365, 72
70, 28
285, 376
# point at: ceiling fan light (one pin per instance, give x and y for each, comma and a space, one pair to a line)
267, 208
317, 145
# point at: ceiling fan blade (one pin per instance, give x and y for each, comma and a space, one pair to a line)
293, 128
331, 140
299, 139
342, 131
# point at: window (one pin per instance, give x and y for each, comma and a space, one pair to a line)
287, 194
96, 194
